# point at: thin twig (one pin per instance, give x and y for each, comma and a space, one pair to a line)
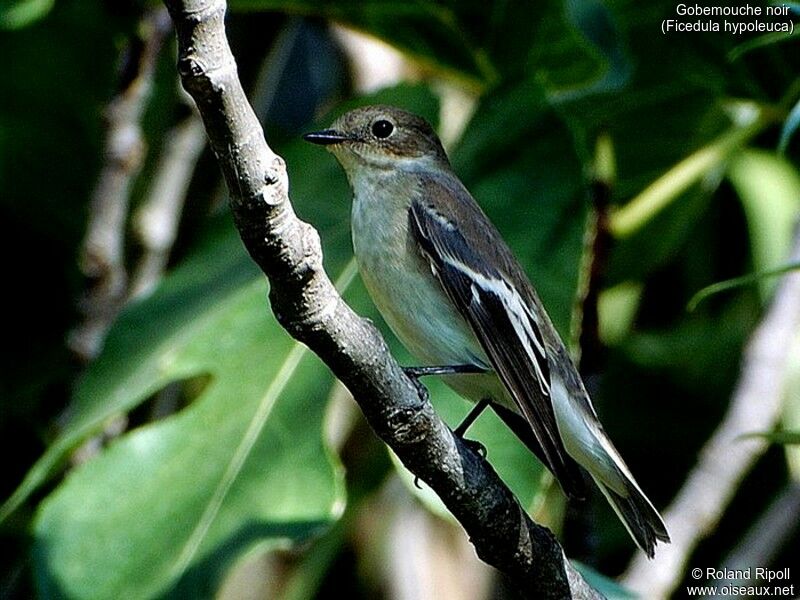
103, 254
727, 458
306, 303
156, 222
587, 345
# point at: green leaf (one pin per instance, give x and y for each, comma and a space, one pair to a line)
16, 14
769, 188
131, 367
177, 501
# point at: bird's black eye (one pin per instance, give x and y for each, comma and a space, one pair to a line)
382, 128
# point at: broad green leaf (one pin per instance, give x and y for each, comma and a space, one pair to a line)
130, 368
174, 502
769, 188
179, 500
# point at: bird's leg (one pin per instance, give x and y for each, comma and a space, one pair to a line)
414, 374
461, 430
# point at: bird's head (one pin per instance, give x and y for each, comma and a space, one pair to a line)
381, 137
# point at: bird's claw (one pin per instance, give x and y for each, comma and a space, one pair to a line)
413, 374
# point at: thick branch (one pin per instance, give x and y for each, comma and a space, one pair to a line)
308, 306
727, 458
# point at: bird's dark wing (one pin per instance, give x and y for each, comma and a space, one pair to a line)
500, 313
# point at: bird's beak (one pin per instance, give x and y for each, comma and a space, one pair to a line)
326, 137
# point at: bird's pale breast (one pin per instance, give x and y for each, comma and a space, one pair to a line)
401, 283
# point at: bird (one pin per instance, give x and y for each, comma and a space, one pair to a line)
453, 293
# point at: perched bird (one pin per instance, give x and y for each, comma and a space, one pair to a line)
453, 293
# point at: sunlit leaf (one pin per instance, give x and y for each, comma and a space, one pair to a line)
15, 14
178, 500
769, 188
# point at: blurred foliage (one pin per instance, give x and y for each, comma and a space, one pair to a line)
167, 508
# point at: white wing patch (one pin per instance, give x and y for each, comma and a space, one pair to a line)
521, 317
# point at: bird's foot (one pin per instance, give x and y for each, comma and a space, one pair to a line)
413, 374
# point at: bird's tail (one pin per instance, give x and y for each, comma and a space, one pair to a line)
642, 521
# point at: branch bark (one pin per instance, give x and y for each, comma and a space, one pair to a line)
308, 306
726, 458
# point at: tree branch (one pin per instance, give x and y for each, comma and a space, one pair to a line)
307, 305
103, 253
726, 458
156, 222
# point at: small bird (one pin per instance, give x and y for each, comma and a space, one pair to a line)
454, 294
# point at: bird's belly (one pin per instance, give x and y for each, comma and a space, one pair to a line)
421, 316
410, 299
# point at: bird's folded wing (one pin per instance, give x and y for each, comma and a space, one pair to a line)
502, 321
